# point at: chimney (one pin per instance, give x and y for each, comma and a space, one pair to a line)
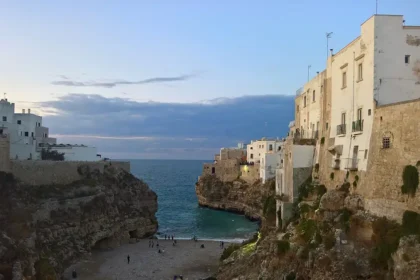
29, 111
23, 111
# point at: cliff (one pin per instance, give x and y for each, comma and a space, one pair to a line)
330, 237
45, 228
237, 196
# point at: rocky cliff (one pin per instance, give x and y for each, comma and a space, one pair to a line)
45, 228
329, 237
237, 196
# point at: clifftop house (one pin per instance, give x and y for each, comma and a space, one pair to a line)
27, 137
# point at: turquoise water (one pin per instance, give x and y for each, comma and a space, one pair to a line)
178, 213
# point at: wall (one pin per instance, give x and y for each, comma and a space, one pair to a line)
357, 94
303, 155
226, 170
259, 147
4, 153
73, 153
268, 164
23, 151
250, 173
229, 153
392, 73
382, 183
42, 172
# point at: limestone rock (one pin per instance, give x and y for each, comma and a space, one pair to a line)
407, 259
64, 222
238, 196
354, 202
332, 200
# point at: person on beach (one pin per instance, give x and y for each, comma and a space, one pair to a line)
128, 258
74, 274
157, 244
223, 244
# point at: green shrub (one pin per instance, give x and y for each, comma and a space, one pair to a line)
322, 140
317, 167
385, 238
304, 208
6, 177
282, 247
305, 189
320, 190
229, 250
410, 180
332, 176
418, 164
347, 174
356, 178
306, 229
411, 223
355, 184
405, 257
328, 241
44, 270
345, 187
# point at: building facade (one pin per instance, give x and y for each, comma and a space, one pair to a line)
257, 148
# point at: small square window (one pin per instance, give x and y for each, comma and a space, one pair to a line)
26, 133
369, 112
407, 59
4, 118
19, 122
386, 143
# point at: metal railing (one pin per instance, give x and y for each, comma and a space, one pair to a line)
341, 129
357, 126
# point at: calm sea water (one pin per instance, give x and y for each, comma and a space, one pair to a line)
178, 212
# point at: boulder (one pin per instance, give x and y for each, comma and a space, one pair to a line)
354, 203
407, 259
332, 200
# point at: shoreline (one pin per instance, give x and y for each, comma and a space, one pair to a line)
255, 218
186, 258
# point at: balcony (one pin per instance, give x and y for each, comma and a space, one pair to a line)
357, 126
341, 129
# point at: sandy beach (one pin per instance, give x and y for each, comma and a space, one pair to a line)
186, 259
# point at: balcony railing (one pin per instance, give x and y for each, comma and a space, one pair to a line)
357, 126
341, 129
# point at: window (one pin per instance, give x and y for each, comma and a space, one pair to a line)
304, 101
297, 108
366, 153
313, 96
386, 142
322, 89
32, 134
46, 135
326, 126
270, 147
279, 148
369, 112
360, 72
343, 118
359, 114
344, 82
4, 118
26, 133
251, 148
407, 59
262, 146
19, 122
39, 124
252, 156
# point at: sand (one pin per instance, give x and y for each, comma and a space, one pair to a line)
186, 259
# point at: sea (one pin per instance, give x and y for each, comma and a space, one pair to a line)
178, 211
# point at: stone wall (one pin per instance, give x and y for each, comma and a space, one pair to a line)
250, 173
43, 172
229, 153
4, 153
226, 170
382, 184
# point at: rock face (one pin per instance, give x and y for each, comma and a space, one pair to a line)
407, 259
332, 201
45, 228
237, 196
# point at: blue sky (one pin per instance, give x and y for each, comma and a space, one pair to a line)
189, 52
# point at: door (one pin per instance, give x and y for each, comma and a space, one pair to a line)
354, 160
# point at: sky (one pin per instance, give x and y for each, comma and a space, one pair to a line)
171, 79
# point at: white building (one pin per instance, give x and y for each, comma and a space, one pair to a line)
268, 163
381, 66
28, 136
257, 148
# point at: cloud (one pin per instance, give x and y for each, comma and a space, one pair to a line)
67, 82
171, 130
63, 77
